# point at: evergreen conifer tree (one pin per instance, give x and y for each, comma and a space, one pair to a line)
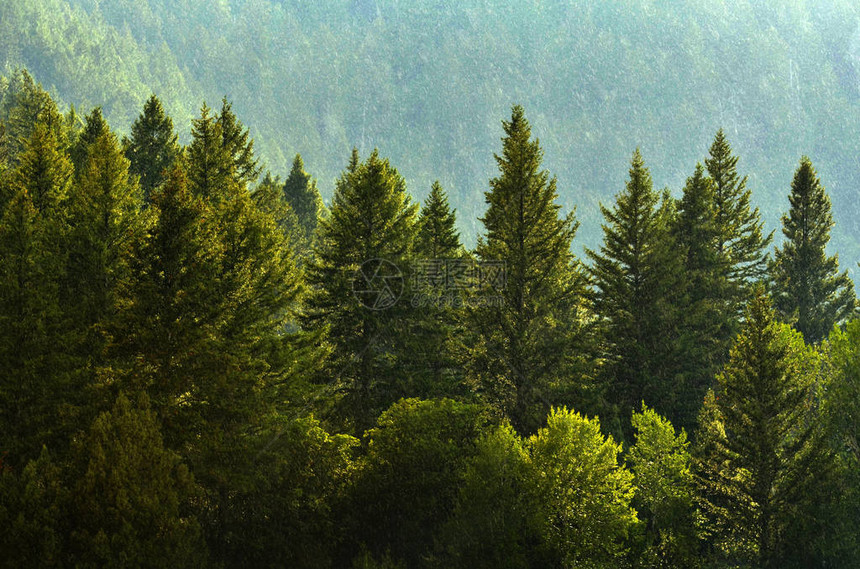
44, 171
105, 222
94, 127
808, 288
153, 148
130, 494
438, 237
760, 449
29, 351
705, 327
209, 162
356, 272
31, 105
236, 142
520, 355
300, 191
740, 228
432, 358
636, 275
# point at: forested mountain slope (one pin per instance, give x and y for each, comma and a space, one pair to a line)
426, 82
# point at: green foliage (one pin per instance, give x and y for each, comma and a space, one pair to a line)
291, 513
662, 475
586, 493
498, 520
43, 171
740, 237
635, 277
762, 450
153, 148
105, 224
372, 218
94, 127
843, 389
238, 146
24, 106
34, 514
209, 161
408, 481
301, 193
128, 495
29, 313
521, 346
438, 237
808, 288
706, 328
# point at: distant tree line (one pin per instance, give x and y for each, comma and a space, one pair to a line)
191, 374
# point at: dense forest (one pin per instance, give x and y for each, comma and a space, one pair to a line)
204, 365
427, 80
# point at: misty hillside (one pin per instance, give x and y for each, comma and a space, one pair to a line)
428, 82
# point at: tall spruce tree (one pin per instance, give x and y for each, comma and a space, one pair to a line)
94, 127
236, 142
43, 170
760, 449
209, 163
301, 193
808, 288
153, 148
432, 359
635, 276
705, 327
363, 246
105, 222
739, 226
521, 352
438, 237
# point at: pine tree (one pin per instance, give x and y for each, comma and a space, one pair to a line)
432, 356
522, 344
363, 246
43, 170
236, 142
300, 191
269, 198
32, 261
808, 288
705, 328
438, 237
29, 349
31, 105
740, 238
94, 127
635, 276
209, 162
153, 148
761, 440
105, 222
171, 322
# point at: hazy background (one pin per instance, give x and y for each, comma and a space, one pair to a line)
428, 82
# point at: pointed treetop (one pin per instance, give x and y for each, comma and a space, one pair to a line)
808, 288
238, 144
153, 147
437, 233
